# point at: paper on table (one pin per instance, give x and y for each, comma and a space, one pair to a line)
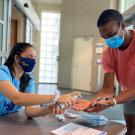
75, 129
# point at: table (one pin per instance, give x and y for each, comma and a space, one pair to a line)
19, 124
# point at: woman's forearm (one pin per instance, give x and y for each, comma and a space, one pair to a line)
19, 98
26, 99
35, 111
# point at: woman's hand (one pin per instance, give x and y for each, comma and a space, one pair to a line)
53, 109
74, 94
69, 98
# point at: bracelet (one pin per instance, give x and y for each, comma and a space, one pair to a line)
114, 101
56, 96
53, 101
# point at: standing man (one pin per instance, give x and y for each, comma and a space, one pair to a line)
118, 60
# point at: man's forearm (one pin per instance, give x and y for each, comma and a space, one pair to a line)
105, 93
125, 96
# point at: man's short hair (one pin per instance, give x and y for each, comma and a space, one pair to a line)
109, 15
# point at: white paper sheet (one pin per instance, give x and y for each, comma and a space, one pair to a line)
75, 129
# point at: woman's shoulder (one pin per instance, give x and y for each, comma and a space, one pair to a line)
4, 68
4, 72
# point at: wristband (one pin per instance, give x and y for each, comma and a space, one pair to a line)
53, 101
114, 101
56, 96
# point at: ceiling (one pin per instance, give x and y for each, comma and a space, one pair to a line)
58, 2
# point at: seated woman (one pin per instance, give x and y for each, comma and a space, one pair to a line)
16, 86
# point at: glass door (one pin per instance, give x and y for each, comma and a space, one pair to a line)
49, 49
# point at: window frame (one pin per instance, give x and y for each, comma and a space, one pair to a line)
5, 21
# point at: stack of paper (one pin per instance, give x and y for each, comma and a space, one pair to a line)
75, 129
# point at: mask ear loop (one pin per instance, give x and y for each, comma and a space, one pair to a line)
122, 33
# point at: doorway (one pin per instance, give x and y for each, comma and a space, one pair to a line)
49, 51
82, 63
18, 23
13, 35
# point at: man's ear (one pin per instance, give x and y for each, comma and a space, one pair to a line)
123, 25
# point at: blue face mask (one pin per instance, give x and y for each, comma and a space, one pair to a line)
27, 64
115, 41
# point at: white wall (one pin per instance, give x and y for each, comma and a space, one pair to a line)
78, 19
39, 7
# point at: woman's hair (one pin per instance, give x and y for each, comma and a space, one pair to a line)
18, 49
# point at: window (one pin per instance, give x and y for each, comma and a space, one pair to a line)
130, 26
1, 22
3, 30
29, 32
49, 50
1, 35
126, 4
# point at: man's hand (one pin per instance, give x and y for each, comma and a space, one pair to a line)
81, 105
99, 105
94, 105
96, 109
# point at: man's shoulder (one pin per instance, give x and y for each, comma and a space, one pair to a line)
109, 50
106, 49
